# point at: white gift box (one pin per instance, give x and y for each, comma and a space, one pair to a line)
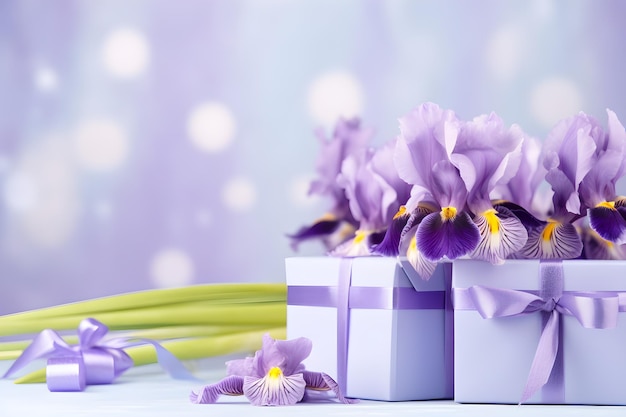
493, 355
388, 342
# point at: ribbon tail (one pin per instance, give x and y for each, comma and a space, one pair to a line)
544, 359
170, 363
45, 343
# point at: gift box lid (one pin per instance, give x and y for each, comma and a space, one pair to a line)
370, 271
580, 274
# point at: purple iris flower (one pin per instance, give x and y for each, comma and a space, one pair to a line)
437, 205
488, 154
338, 224
569, 155
607, 211
274, 376
375, 192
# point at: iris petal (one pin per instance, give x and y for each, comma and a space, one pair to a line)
553, 241
231, 385
424, 268
454, 236
319, 229
243, 367
595, 247
501, 234
358, 246
401, 224
321, 381
422, 210
273, 389
609, 222
330, 230
391, 242
528, 220
292, 353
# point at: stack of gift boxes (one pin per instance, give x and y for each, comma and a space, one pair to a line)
468, 261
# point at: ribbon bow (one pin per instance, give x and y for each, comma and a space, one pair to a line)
91, 362
592, 310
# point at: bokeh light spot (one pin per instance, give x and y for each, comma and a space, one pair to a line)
46, 79
211, 127
333, 95
171, 267
126, 53
239, 194
100, 145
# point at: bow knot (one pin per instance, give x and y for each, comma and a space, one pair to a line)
92, 361
549, 305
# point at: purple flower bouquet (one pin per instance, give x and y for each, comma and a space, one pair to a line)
515, 216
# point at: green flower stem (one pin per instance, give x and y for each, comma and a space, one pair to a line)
196, 348
208, 293
269, 314
10, 354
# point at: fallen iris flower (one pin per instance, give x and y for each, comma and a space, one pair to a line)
274, 376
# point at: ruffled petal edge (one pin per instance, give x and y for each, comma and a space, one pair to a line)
323, 382
209, 394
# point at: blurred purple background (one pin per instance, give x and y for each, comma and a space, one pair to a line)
161, 143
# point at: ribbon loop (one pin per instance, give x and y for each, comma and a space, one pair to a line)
500, 302
91, 332
91, 362
45, 344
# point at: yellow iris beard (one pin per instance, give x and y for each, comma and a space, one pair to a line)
360, 236
492, 220
274, 372
547, 233
400, 213
448, 213
607, 204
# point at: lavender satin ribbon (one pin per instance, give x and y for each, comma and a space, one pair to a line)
92, 361
346, 297
448, 344
592, 310
343, 321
